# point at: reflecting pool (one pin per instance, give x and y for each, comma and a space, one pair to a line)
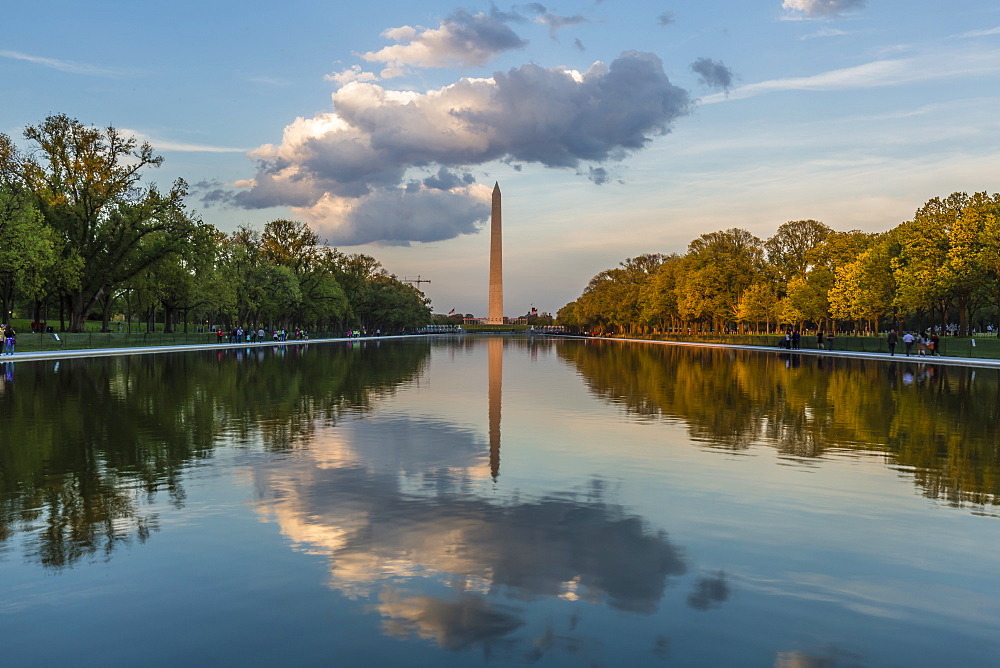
498, 501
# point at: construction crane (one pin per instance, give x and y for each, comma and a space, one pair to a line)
416, 281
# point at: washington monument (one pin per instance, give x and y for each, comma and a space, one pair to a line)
495, 315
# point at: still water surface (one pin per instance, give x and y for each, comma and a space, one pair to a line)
498, 501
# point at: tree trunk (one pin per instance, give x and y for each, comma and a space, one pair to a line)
106, 315
6, 302
168, 320
77, 315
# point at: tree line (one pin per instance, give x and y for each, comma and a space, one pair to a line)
83, 233
942, 268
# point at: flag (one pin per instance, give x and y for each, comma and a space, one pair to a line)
451, 311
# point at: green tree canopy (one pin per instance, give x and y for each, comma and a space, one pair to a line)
88, 185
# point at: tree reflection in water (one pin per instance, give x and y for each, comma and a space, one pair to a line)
89, 443
933, 421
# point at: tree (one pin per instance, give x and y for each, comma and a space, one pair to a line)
806, 299
719, 268
190, 279
88, 186
788, 251
836, 250
940, 260
395, 306
264, 290
294, 245
379, 300
614, 298
659, 296
987, 210
567, 315
759, 303
27, 250
864, 289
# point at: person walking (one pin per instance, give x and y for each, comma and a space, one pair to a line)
829, 339
819, 339
9, 340
935, 344
908, 342
892, 340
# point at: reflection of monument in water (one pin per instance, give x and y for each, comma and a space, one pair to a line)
494, 350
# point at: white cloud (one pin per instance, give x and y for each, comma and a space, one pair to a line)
65, 65
183, 147
353, 73
982, 33
463, 39
822, 8
269, 81
890, 72
825, 32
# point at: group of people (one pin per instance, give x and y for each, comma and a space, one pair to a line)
928, 343
793, 339
239, 335
358, 333
9, 339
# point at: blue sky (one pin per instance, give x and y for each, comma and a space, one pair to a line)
614, 128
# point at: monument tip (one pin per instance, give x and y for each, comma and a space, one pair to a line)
496, 187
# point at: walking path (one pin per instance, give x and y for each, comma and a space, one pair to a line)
808, 352
151, 350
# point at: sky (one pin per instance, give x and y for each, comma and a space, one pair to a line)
613, 128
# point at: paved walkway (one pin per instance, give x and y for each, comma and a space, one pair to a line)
34, 356
808, 352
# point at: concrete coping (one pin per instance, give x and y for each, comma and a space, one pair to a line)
808, 352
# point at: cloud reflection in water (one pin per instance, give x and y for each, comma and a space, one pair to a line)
398, 523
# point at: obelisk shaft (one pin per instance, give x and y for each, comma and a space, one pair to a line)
495, 315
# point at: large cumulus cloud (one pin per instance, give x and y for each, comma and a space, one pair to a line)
351, 171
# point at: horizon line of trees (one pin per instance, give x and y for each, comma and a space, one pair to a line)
82, 233
939, 269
